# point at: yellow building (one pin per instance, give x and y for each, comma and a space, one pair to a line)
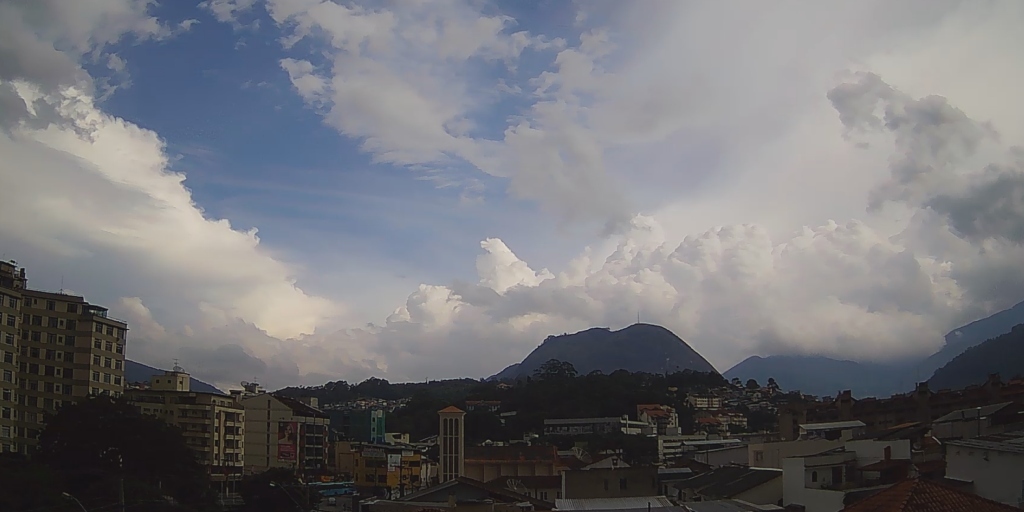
213, 425
54, 348
395, 468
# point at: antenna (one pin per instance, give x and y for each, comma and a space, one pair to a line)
637, 315
62, 284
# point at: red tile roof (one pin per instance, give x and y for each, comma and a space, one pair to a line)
450, 409
916, 495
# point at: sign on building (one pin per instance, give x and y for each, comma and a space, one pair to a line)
287, 441
394, 462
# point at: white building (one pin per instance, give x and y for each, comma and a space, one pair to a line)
841, 430
821, 482
585, 426
282, 432
995, 464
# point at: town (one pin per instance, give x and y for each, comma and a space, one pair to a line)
554, 441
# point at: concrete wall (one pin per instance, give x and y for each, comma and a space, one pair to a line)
999, 478
723, 456
870, 451
772, 454
795, 491
607, 483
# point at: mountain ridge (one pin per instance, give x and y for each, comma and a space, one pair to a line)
135, 371
637, 348
884, 379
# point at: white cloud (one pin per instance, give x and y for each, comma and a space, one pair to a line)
704, 114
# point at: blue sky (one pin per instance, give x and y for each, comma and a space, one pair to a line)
438, 186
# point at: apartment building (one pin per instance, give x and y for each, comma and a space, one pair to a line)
283, 432
398, 469
213, 425
12, 283
63, 348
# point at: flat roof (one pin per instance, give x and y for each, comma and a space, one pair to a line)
712, 442
1010, 442
571, 421
833, 425
637, 503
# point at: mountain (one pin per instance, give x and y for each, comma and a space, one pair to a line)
973, 334
824, 376
138, 372
1003, 355
637, 348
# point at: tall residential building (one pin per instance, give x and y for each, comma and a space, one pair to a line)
54, 348
12, 283
70, 349
213, 424
283, 432
452, 440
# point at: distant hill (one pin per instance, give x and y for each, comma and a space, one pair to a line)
1003, 355
637, 348
824, 376
138, 372
973, 334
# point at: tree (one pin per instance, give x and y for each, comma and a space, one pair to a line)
555, 369
277, 490
100, 445
752, 384
38, 488
772, 384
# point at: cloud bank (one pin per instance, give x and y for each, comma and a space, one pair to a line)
693, 116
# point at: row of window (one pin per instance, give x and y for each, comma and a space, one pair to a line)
47, 387
68, 340
10, 319
11, 302
106, 378
69, 324
43, 369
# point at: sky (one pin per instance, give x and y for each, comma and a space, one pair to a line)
297, 191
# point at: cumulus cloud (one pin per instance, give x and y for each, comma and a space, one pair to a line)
702, 110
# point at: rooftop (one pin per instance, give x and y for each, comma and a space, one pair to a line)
514, 452
917, 495
1010, 442
450, 410
833, 425
609, 504
972, 413
728, 481
727, 506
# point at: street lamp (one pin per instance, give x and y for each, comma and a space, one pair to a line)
72, 498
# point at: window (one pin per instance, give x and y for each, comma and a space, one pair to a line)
33, 368
118, 364
606, 484
37, 336
12, 302
49, 371
52, 321
814, 476
51, 355
623, 484
837, 475
106, 378
108, 363
5, 431
72, 324
11, 320
48, 387
97, 344
51, 338
544, 495
9, 339
8, 376
51, 305
109, 347
95, 376
120, 348
96, 360
69, 341
33, 352
72, 308
110, 330
37, 320
9, 357
8, 395
117, 380
99, 327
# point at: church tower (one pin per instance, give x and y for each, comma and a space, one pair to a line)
451, 438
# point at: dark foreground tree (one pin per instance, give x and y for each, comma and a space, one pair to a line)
32, 486
277, 490
100, 445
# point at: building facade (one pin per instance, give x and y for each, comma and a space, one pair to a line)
55, 348
452, 443
391, 469
12, 283
485, 463
213, 425
284, 432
